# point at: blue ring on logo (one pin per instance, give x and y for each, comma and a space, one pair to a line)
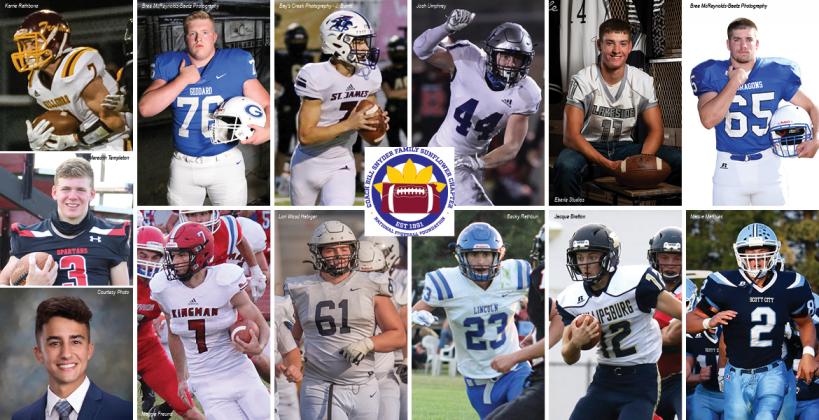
254, 110
397, 160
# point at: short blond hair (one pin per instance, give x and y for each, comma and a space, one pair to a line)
75, 168
199, 14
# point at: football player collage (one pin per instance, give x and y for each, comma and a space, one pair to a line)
416, 241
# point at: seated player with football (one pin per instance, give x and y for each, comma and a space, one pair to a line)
602, 109
71, 83
337, 104
72, 246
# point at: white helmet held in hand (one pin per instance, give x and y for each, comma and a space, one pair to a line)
789, 127
232, 120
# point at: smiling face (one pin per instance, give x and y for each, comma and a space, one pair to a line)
200, 38
73, 197
64, 348
614, 50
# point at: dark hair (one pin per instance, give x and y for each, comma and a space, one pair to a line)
740, 23
63, 306
614, 25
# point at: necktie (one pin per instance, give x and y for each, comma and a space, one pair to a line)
64, 409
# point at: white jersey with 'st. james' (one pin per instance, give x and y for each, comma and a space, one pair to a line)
630, 335
610, 112
201, 317
333, 316
339, 95
477, 113
482, 321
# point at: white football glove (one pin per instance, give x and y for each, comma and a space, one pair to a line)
423, 318
458, 19
258, 282
471, 162
721, 379
114, 102
355, 352
39, 134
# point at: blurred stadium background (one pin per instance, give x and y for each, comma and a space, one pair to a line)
26, 181
439, 392
389, 20
99, 24
24, 380
240, 24
568, 383
521, 181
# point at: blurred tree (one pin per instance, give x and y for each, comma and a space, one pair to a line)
711, 235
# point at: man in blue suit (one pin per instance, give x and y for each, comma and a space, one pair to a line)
64, 347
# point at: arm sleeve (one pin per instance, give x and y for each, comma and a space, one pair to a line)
426, 44
578, 95
306, 87
802, 303
567, 317
709, 296
433, 293
124, 251
158, 70
284, 339
791, 80
648, 290
700, 80
16, 247
247, 65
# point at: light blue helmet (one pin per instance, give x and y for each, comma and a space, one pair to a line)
479, 237
690, 296
757, 264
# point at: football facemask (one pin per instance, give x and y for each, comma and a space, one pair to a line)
232, 120
344, 35
789, 127
42, 37
757, 236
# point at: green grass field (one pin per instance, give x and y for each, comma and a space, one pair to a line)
440, 398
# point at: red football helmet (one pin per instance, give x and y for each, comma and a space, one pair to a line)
42, 37
194, 240
151, 239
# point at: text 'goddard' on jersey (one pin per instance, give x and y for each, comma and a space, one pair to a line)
221, 79
333, 316
629, 333
744, 130
755, 336
84, 260
477, 113
482, 321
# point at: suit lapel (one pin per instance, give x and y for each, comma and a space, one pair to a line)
92, 403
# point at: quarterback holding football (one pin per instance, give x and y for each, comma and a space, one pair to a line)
322, 167
70, 82
217, 102
490, 91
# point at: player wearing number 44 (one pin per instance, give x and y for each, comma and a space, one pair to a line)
194, 83
602, 108
481, 297
740, 99
322, 168
490, 89
753, 304
337, 310
614, 305
83, 249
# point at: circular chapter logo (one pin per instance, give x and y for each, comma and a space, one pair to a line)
408, 191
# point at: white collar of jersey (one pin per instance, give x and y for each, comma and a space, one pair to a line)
760, 289
605, 86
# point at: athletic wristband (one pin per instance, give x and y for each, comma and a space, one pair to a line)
808, 350
706, 323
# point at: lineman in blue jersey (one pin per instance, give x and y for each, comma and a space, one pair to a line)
756, 302
490, 89
481, 297
323, 168
807, 393
620, 301
194, 83
737, 97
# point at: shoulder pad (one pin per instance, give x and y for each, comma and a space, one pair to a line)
573, 296
77, 61
627, 277
296, 282
159, 283
229, 274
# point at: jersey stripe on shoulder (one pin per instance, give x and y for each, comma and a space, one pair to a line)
230, 224
719, 278
444, 282
798, 282
71, 61
28, 233
521, 280
120, 231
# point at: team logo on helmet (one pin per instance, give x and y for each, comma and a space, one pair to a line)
341, 23
409, 191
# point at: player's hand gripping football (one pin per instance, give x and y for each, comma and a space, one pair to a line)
188, 73
38, 277
252, 347
38, 134
614, 165
583, 334
359, 120
458, 19
355, 352
806, 369
423, 318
